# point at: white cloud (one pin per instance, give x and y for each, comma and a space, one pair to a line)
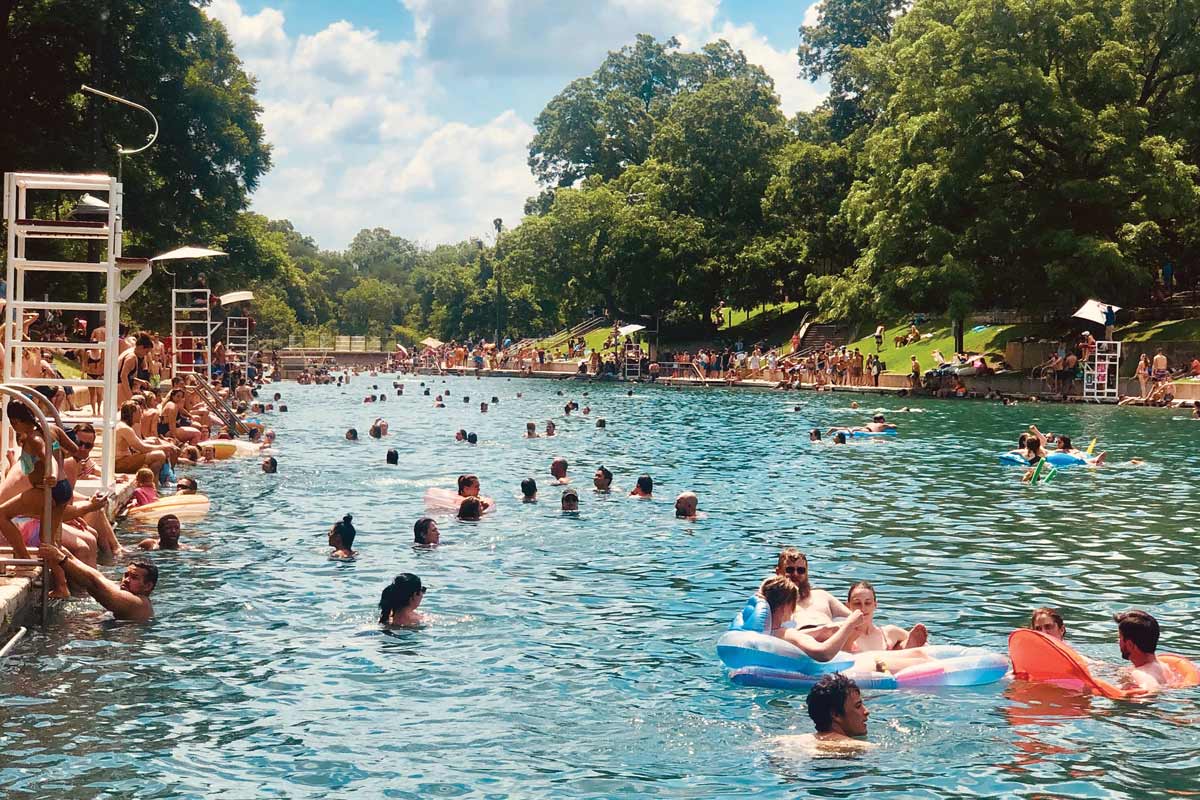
812, 14
354, 118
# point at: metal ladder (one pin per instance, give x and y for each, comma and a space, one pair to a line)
237, 342
191, 325
216, 403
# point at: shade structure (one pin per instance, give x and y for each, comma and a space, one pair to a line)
188, 252
625, 330
429, 341
1093, 311
236, 297
401, 348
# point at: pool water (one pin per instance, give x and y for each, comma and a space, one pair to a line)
575, 656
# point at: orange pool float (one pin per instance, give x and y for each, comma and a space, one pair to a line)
1038, 657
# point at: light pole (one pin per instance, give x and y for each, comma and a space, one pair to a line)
499, 225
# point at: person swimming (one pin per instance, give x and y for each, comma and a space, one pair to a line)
470, 509
644, 488
570, 501
1137, 638
341, 539
558, 470
1048, 621
399, 601
551, 428
531, 430
686, 505
352, 435
426, 533
814, 435
393, 456
529, 491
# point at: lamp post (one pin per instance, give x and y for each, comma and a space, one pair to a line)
499, 226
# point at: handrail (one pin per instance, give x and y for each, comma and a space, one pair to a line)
222, 409
47, 509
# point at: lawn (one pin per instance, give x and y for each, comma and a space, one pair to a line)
1171, 330
991, 339
740, 316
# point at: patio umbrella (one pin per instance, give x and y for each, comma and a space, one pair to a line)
429, 341
236, 297
1093, 311
188, 252
625, 330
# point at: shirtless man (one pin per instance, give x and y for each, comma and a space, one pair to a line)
686, 504
602, 480
558, 471
1137, 636
133, 371
1159, 366
168, 535
836, 708
132, 452
128, 601
815, 608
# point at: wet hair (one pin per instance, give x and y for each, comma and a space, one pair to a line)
862, 585
877, 418
827, 699
529, 487
839, 437
466, 480
600, 423
788, 555
255, 434
150, 570
531, 426
192, 452
646, 484
779, 592
1044, 611
393, 456
352, 434
272, 463
606, 472
375, 432
190, 483
165, 518
345, 529
421, 529
814, 435
283, 408
472, 438
470, 508
1023, 441
398, 594
1138, 627
555, 463
1064, 442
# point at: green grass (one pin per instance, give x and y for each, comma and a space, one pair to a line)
593, 340
67, 368
1172, 330
989, 340
735, 317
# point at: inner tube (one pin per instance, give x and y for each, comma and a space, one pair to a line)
1058, 458
184, 506
228, 448
1041, 658
742, 649
948, 666
1014, 459
754, 616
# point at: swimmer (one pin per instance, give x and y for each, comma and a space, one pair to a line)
879, 425
587, 410
399, 601
815, 608
531, 430
483, 407
168, 535
352, 435
470, 509
393, 457
839, 437
686, 504
270, 465
558, 470
644, 489
1050, 622
460, 435
550, 427
570, 501
854, 404
1137, 636
783, 597
836, 708
472, 438
601, 423
879, 637
426, 533
186, 485
602, 480
814, 435
130, 600
529, 491
341, 539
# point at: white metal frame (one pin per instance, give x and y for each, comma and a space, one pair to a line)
21, 228
1102, 373
186, 316
237, 341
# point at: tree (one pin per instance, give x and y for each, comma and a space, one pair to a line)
1029, 156
369, 308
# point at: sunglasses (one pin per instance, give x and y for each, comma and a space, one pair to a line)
796, 570
85, 445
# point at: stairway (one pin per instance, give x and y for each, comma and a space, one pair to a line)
817, 335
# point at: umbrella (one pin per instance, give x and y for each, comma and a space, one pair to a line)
401, 348
429, 341
188, 252
236, 297
1093, 311
625, 330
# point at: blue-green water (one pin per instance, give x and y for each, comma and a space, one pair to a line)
574, 657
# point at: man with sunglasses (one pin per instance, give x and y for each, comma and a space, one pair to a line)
93, 515
816, 608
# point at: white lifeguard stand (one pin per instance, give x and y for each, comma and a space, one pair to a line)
191, 325
237, 341
104, 230
1101, 373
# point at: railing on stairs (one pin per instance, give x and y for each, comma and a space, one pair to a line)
218, 405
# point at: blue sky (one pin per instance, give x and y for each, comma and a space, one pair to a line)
414, 115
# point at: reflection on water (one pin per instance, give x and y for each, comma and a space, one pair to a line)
575, 656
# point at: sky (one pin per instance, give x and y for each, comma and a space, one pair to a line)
416, 115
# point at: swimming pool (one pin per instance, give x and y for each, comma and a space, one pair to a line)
574, 657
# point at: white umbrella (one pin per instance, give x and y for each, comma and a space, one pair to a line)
188, 252
401, 348
236, 297
625, 330
1093, 311
429, 341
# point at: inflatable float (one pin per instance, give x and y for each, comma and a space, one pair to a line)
1041, 658
229, 448
449, 500
184, 506
870, 434
756, 659
1056, 458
